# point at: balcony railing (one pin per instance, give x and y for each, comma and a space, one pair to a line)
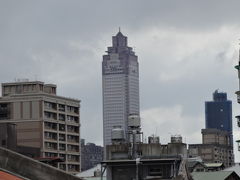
238, 96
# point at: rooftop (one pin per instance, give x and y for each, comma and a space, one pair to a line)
219, 175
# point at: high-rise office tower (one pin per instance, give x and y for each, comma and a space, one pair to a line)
120, 78
218, 113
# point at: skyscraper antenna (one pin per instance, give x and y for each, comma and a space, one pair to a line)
119, 28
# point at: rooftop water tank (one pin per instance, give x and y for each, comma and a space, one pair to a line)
117, 133
176, 139
134, 121
153, 140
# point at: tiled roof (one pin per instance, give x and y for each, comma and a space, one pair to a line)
7, 176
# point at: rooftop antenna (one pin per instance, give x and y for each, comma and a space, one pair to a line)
119, 29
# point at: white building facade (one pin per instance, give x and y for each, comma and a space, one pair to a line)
120, 78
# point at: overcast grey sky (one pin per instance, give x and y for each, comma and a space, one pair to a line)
186, 50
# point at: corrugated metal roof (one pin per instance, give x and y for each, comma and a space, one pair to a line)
235, 168
213, 164
191, 164
90, 172
94, 178
218, 175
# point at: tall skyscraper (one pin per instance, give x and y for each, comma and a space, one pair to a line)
218, 113
120, 78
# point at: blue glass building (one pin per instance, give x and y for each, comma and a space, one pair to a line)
218, 113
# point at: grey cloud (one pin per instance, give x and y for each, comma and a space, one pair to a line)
36, 39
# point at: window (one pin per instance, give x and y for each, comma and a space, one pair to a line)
4, 142
61, 127
50, 105
61, 107
50, 135
155, 171
62, 147
62, 137
61, 117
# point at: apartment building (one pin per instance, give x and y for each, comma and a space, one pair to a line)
215, 148
92, 155
44, 120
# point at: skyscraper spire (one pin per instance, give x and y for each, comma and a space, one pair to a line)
119, 40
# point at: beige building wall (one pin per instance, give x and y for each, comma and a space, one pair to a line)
45, 120
29, 134
216, 147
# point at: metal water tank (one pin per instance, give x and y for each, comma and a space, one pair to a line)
117, 133
134, 121
176, 139
153, 140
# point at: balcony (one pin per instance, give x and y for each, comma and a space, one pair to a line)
62, 167
72, 119
238, 120
50, 126
51, 146
63, 156
61, 107
73, 148
238, 143
73, 139
238, 96
61, 117
72, 110
50, 136
62, 147
73, 129
50, 106
73, 158
73, 168
61, 127
62, 137
50, 116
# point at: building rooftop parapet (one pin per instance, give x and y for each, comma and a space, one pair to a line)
214, 131
142, 159
39, 94
212, 144
25, 87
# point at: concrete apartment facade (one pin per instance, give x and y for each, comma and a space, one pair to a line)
8, 138
91, 155
216, 147
44, 120
120, 81
154, 161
